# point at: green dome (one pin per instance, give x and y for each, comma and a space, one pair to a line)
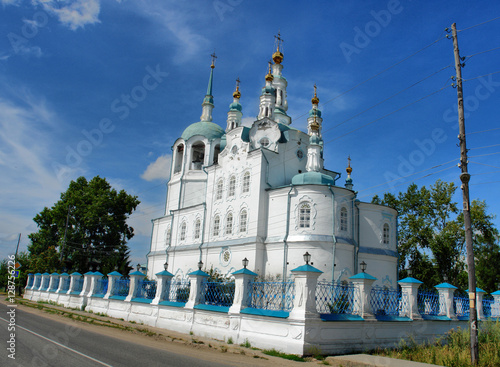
207, 129
312, 178
235, 106
314, 112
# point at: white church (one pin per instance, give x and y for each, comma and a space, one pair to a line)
262, 193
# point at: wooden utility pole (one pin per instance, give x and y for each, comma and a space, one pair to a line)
465, 177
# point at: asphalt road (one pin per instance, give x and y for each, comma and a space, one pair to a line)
40, 341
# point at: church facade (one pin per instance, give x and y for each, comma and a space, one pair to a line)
262, 193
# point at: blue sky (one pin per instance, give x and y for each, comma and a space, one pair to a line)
105, 87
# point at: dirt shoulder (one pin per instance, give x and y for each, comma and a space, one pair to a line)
204, 348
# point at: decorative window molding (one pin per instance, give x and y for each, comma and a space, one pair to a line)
305, 215
344, 219
168, 236
246, 183
229, 224
219, 189
300, 154
232, 186
225, 256
216, 225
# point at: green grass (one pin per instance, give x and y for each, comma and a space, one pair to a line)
230, 340
246, 344
274, 353
453, 349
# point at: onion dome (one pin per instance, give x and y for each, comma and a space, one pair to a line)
206, 129
315, 99
312, 178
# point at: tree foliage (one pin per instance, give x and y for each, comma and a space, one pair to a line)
84, 230
431, 236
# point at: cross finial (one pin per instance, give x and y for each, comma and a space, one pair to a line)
213, 60
279, 40
315, 90
349, 160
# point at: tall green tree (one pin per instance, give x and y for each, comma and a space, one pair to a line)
431, 238
85, 230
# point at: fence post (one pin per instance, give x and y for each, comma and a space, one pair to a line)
242, 278
74, 276
44, 277
495, 307
409, 287
363, 282
446, 291
164, 279
196, 278
111, 283
87, 281
38, 276
62, 279
304, 303
134, 281
479, 303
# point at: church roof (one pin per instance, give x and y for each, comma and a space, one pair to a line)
312, 178
206, 129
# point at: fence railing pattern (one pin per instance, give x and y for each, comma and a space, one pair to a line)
54, 285
146, 289
217, 293
101, 287
65, 284
336, 298
121, 287
428, 302
271, 295
179, 291
78, 286
388, 302
487, 305
461, 304
45, 284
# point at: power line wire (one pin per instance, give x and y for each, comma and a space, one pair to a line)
483, 155
488, 146
484, 164
483, 131
465, 29
481, 76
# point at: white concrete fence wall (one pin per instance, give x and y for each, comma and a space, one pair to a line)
303, 331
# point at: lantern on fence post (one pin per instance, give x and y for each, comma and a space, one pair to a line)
165, 266
409, 272
307, 257
245, 262
363, 266
138, 267
200, 265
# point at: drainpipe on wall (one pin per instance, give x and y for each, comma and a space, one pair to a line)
267, 167
356, 241
334, 238
285, 244
204, 212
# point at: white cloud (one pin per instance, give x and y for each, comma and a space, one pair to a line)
159, 169
247, 121
73, 13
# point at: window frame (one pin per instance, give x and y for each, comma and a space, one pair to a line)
231, 191
228, 230
243, 223
305, 217
344, 219
183, 230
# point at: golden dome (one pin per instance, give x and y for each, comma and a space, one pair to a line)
315, 99
349, 169
237, 94
269, 76
278, 57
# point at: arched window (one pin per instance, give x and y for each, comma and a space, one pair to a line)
218, 195
168, 234
385, 234
232, 186
182, 236
216, 153
197, 227
229, 223
304, 215
216, 228
343, 219
197, 155
246, 182
243, 220
178, 158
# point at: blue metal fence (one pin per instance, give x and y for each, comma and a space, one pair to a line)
388, 302
30, 282
78, 286
179, 291
146, 289
487, 304
101, 287
54, 285
336, 298
271, 295
38, 282
217, 293
428, 302
45, 284
121, 287
461, 304
65, 285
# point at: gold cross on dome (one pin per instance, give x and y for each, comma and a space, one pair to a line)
279, 40
213, 58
